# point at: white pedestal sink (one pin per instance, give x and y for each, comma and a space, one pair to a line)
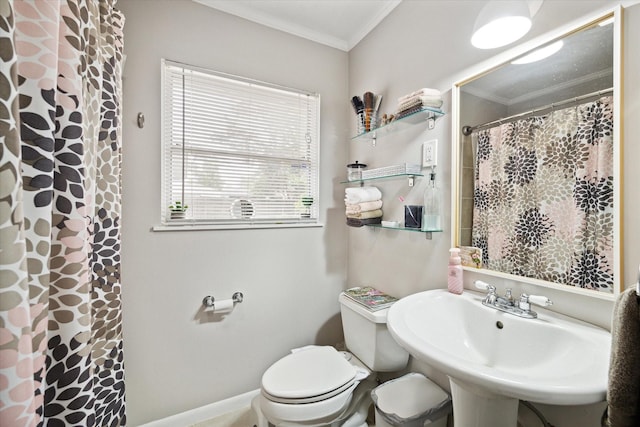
494, 359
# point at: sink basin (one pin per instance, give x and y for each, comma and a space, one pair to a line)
490, 355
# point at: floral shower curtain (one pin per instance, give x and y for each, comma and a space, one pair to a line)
543, 197
61, 359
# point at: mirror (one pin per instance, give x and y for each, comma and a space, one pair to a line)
536, 173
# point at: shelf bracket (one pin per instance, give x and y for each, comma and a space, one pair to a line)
412, 180
374, 139
428, 235
431, 123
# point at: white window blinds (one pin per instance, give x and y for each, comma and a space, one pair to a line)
237, 150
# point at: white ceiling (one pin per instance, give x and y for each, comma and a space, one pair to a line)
343, 23
337, 23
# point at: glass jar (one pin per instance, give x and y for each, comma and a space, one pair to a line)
354, 171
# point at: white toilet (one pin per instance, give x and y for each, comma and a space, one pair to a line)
320, 386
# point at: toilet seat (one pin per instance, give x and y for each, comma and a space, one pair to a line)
309, 375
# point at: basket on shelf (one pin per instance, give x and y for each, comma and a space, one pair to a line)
403, 169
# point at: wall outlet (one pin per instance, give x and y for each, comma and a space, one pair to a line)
430, 153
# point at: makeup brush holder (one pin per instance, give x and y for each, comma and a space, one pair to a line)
367, 121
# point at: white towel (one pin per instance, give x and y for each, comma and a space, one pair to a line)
364, 206
425, 91
366, 215
427, 101
355, 195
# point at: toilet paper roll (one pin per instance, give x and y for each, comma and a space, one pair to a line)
221, 306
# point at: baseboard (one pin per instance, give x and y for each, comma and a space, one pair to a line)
203, 413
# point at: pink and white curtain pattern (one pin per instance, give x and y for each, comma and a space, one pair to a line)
543, 197
61, 356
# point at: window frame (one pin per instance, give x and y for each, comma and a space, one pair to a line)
312, 183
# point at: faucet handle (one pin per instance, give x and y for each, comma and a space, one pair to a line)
526, 301
479, 284
540, 300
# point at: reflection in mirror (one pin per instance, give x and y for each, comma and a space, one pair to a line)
536, 169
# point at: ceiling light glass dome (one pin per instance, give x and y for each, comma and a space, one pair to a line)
501, 23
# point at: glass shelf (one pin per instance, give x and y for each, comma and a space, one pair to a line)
377, 178
426, 114
415, 230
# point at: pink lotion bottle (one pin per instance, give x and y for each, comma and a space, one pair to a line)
454, 279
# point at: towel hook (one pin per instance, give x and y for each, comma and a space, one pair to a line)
140, 120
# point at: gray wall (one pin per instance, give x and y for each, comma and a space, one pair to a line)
401, 55
420, 44
290, 278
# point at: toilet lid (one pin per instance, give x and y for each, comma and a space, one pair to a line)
305, 374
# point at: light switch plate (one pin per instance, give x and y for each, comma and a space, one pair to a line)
430, 153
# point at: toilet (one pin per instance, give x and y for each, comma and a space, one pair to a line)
321, 386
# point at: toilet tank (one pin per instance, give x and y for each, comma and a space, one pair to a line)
367, 337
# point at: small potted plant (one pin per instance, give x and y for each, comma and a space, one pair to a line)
307, 202
178, 210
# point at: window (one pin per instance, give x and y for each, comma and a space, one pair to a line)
237, 151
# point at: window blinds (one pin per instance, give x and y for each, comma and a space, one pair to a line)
236, 150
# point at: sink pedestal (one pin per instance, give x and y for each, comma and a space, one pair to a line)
477, 407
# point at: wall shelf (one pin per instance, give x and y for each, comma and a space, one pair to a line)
428, 115
410, 176
415, 230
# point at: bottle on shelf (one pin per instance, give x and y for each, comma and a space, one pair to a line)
454, 279
431, 214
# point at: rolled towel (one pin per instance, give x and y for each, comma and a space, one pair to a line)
366, 215
364, 206
355, 195
623, 391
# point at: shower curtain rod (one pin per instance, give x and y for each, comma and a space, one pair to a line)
466, 130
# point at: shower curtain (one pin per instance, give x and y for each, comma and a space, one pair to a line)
543, 196
61, 357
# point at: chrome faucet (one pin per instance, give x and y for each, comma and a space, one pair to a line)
521, 307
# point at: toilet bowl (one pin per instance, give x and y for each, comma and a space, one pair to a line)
311, 386
320, 386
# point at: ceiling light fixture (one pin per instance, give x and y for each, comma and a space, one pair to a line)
540, 54
500, 23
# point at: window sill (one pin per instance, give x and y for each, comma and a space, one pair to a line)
205, 227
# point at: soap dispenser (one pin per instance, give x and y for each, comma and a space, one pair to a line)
454, 279
431, 214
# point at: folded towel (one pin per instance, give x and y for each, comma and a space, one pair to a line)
623, 393
420, 92
366, 215
355, 222
355, 195
364, 206
426, 101
404, 113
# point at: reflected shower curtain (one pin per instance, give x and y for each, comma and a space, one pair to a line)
60, 318
543, 196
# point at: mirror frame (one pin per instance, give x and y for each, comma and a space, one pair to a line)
504, 59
